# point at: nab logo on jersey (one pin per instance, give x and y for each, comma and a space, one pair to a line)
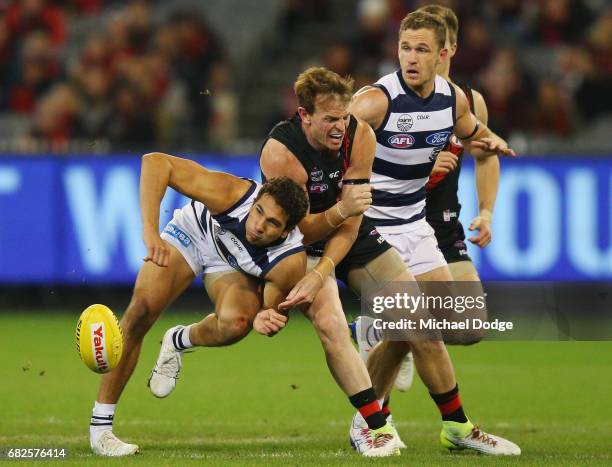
438, 139
401, 141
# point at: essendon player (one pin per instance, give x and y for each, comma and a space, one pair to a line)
442, 203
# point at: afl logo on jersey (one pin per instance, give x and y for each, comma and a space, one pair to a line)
318, 188
401, 141
404, 122
438, 139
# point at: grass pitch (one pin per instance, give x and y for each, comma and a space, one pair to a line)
271, 401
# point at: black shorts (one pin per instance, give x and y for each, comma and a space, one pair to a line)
451, 240
368, 245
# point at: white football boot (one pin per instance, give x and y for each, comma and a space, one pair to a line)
366, 336
380, 445
458, 436
107, 444
165, 373
405, 375
400, 443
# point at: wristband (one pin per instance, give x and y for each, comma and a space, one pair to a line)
329, 222
486, 214
330, 260
340, 212
355, 181
319, 274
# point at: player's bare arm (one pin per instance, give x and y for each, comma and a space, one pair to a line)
470, 130
340, 241
276, 161
279, 282
487, 182
370, 105
218, 190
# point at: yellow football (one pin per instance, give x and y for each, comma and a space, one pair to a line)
99, 339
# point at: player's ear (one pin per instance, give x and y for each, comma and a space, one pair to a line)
284, 234
304, 115
442, 55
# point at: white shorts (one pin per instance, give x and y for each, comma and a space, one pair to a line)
417, 245
183, 232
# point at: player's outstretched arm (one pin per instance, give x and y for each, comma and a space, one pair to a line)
487, 182
279, 281
481, 140
217, 190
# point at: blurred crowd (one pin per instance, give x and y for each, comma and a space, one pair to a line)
132, 81
136, 76
544, 66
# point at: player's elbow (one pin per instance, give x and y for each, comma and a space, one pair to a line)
152, 156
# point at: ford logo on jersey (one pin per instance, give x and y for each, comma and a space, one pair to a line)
438, 139
401, 141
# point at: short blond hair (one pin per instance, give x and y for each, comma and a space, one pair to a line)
449, 17
423, 20
317, 81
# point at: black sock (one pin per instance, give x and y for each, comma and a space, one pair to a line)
450, 406
386, 410
369, 408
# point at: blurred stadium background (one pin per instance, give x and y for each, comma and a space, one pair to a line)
88, 86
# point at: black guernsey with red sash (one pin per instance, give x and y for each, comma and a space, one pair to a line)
325, 174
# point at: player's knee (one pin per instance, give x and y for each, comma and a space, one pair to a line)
428, 347
332, 329
466, 337
235, 328
471, 335
398, 348
140, 315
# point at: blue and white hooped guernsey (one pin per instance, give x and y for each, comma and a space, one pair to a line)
408, 141
226, 231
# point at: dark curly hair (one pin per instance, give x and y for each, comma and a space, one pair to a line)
290, 196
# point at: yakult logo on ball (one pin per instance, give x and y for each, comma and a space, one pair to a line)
98, 345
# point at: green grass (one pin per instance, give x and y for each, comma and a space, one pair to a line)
271, 401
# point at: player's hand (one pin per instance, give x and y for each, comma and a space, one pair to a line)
157, 250
496, 145
356, 199
269, 322
445, 163
304, 291
483, 225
